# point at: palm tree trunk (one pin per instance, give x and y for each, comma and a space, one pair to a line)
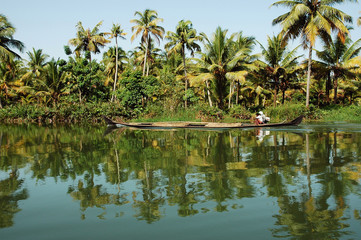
275, 92
145, 55
1, 106
185, 77
116, 68
328, 87
275, 97
335, 85
237, 96
308, 76
230, 95
209, 94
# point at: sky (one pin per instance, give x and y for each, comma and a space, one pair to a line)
49, 24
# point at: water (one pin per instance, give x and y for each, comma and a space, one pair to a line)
88, 183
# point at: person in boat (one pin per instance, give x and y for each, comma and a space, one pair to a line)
264, 118
258, 119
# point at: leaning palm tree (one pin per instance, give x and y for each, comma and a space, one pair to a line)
147, 26
339, 60
278, 62
184, 38
7, 42
116, 32
310, 19
88, 40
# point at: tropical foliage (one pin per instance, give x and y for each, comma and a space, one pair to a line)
216, 74
310, 19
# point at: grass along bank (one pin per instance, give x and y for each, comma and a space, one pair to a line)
92, 113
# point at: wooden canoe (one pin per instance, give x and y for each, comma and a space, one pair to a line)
199, 125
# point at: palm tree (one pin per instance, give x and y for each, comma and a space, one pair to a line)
147, 26
113, 60
116, 32
184, 38
278, 62
225, 60
7, 41
88, 40
11, 70
37, 61
153, 55
54, 82
311, 19
338, 60
245, 63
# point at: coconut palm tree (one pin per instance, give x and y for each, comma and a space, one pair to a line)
37, 61
225, 60
245, 64
184, 38
278, 62
147, 26
338, 60
88, 40
11, 70
116, 32
7, 42
153, 55
54, 82
310, 19
114, 61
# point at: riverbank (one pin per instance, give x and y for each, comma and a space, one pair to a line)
93, 112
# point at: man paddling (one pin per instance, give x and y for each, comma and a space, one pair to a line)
258, 119
264, 118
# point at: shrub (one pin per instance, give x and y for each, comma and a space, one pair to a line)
240, 112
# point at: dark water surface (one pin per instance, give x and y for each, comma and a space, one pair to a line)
86, 183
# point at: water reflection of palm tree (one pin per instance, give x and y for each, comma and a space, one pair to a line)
10, 194
91, 195
306, 216
149, 207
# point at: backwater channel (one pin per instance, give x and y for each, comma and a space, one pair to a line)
72, 182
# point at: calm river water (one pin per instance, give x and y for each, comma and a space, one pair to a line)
89, 183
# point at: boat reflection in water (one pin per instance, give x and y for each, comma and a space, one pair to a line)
295, 182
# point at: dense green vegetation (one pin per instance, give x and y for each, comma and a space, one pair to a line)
195, 76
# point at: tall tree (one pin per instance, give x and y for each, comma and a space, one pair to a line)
339, 60
116, 32
278, 62
184, 38
54, 83
88, 40
110, 61
225, 60
151, 58
147, 26
7, 42
37, 61
310, 19
11, 70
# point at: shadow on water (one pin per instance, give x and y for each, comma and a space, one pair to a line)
309, 174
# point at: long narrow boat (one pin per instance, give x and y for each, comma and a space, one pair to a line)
199, 125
